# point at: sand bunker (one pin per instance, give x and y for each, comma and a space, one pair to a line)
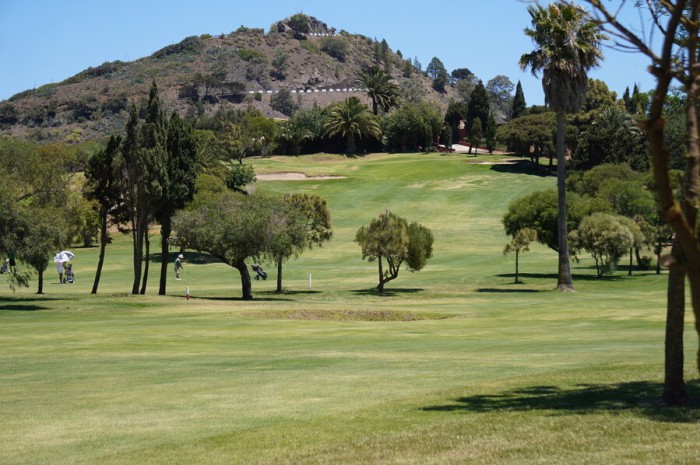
292, 177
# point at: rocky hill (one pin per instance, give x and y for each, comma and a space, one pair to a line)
201, 75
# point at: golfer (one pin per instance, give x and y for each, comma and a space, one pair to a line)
13, 263
178, 266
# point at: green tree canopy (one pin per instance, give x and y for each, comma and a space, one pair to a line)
390, 237
607, 238
613, 137
531, 131
310, 219
500, 89
538, 211
234, 228
520, 243
411, 126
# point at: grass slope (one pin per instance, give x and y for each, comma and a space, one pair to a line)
456, 365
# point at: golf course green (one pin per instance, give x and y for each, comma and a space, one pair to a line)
455, 364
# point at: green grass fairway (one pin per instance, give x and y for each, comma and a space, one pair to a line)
455, 365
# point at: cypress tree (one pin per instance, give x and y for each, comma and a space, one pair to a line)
479, 108
178, 183
490, 133
519, 106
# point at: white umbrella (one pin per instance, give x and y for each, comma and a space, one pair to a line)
63, 256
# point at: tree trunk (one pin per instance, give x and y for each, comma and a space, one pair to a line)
638, 257
147, 242
517, 253
380, 287
564, 281
629, 271
279, 274
246, 288
350, 143
674, 383
40, 290
138, 257
658, 257
103, 247
165, 230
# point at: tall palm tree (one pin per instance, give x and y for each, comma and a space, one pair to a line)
351, 118
380, 88
568, 44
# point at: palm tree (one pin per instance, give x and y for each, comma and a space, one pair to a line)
294, 133
351, 118
380, 88
568, 44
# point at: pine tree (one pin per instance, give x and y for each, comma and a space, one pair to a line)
436, 70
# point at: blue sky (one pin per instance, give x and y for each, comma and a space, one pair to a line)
44, 41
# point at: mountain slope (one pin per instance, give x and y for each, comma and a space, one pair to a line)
201, 75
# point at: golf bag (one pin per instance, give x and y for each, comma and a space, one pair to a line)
259, 272
68, 276
3, 268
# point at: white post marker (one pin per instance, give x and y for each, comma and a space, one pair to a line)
309, 280
187, 292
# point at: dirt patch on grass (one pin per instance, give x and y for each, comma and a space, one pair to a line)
292, 177
345, 315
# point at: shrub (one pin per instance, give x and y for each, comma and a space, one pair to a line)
84, 108
300, 23
309, 46
116, 103
8, 114
335, 47
606, 237
239, 176
283, 102
250, 54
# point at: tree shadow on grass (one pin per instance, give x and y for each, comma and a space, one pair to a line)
554, 276
642, 397
195, 258
288, 292
387, 292
239, 299
26, 304
21, 308
523, 166
508, 291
